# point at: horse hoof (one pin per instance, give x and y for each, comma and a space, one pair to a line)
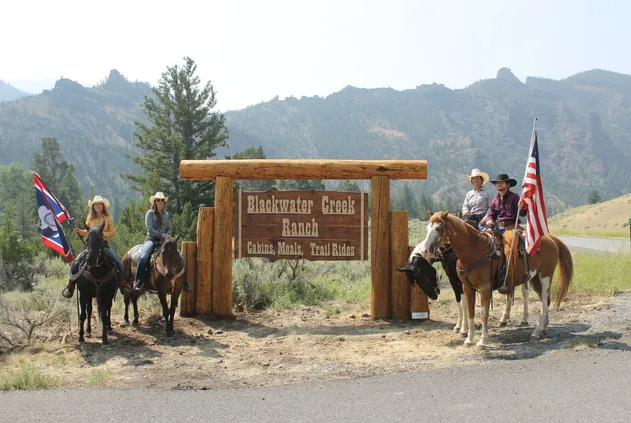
135, 323
544, 333
456, 329
503, 324
124, 324
81, 340
88, 335
534, 337
105, 342
467, 343
523, 323
480, 345
463, 334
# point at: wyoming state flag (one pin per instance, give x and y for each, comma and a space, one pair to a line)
51, 212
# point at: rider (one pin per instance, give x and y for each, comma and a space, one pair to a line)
158, 224
97, 214
477, 201
503, 210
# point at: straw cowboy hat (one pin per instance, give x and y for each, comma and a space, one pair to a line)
478, 172
502, 177
158, 196
99, 199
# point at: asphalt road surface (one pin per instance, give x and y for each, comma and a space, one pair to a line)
596, 245
569, 386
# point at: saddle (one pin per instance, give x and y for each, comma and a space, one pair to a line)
136, 250
498, 247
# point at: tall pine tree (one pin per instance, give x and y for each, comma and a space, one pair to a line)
182, 127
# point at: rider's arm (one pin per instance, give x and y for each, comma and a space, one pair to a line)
108, 230
465, 205
169, 228
150, 223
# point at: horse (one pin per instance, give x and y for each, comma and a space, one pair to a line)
421, 271
478, 267
96, 278
165, 270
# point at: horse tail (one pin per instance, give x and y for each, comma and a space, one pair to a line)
566, 270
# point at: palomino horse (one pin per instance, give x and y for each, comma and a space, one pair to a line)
165, 270
96, 278
477, 267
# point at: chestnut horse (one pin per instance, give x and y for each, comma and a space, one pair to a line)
166, 268
478, 267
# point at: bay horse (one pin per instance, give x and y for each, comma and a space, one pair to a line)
477, 267
166, 268
97, 278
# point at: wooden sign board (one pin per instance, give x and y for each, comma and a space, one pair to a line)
311, 225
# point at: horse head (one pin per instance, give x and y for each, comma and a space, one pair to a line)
436, 234
172, 265
420, 271
95, 245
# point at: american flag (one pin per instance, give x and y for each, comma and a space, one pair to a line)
532, 196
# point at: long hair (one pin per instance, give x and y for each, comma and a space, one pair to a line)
155, 210
92, 212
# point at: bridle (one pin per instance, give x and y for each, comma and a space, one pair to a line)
163, 269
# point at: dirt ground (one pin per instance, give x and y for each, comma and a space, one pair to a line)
315, 344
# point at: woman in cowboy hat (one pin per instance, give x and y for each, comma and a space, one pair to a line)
475, 207
97, 214
159, 228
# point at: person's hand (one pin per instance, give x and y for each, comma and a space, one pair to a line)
520, 204
483, 222
165, 236
490, 222
75, 230
465, 214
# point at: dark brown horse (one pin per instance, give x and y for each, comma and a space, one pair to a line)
478, 267
166, 271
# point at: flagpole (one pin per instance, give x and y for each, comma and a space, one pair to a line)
510, 254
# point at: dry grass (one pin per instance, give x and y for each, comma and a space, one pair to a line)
606, 219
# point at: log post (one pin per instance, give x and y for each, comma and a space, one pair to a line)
222, 250
400, 289
205, 240
380, 247
419, 303
187, 299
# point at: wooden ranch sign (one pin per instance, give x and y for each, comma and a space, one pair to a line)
311, 225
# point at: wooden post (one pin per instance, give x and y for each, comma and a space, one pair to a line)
187, 299
419, 303
205, 240
222, 250
400, 288
380, 247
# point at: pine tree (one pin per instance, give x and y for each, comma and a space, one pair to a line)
253, 185
182, 127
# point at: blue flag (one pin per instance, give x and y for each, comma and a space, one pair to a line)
51, 213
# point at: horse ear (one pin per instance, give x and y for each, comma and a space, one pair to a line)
444, 214
176, 238
430, 213
102, 226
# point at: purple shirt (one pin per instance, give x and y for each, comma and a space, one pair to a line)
505, 209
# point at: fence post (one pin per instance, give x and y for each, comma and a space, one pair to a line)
380, 247
205, 240
222, 250
399, 249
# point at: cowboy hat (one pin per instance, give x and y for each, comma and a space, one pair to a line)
502, 177
99, 199
158, 196
477, 172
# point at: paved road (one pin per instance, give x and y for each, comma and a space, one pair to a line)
596, 245
585, 386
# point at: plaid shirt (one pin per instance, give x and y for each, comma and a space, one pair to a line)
505, 209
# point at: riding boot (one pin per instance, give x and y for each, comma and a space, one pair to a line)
69, 290
138, 285
187, 286
505, 282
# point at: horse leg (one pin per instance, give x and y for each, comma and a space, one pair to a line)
126, 299
459, 326
174, 299
506, 315
88, 332
134, 301
525, 293
165, 309
543, 318
102, 317
485, 300
82, 317
106, 307
469, 294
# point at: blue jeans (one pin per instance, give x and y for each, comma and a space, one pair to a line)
147, 249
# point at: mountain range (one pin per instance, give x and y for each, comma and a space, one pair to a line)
583, 126
8, 92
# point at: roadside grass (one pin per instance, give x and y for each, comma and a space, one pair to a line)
603, 275
26, 377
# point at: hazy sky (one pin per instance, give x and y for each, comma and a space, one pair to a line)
253, 50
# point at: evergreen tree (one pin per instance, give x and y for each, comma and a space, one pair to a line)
300, 185
593, 197
182, 126
350, 186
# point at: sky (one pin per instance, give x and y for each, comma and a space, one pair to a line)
254, 50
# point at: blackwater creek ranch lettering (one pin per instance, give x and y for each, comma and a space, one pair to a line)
313, 225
